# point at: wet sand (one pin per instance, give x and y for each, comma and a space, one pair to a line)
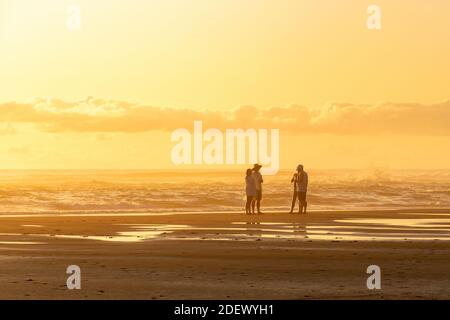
322, 255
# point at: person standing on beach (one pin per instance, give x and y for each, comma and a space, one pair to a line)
250, 191
294, 196
302, 188
257, 177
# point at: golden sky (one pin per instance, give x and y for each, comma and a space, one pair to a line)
343, 96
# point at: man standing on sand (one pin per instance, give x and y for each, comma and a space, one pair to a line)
257, 177
302, 188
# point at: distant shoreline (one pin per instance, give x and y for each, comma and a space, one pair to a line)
223, 170
216, 212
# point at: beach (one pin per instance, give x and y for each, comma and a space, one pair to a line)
227, 255
136, 137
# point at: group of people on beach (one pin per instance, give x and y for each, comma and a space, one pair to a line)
253, 190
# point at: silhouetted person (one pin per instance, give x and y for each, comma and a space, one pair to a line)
250, 192
302, 188
257, 177
294, 196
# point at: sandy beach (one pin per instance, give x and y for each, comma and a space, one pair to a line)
321, 255
134, 136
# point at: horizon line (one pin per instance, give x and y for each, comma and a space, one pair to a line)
223, 169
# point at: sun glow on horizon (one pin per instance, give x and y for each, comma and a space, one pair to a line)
342, 96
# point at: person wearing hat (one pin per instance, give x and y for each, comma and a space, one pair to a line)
257, 177
302, 188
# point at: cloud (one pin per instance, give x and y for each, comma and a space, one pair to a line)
103, 116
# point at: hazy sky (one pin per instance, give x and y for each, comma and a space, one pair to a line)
215, 56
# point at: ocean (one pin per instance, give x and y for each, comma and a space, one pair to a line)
206, 191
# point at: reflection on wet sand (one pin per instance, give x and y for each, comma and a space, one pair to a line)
21, 242
360, 229
435, 223
138, 233
375, 229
